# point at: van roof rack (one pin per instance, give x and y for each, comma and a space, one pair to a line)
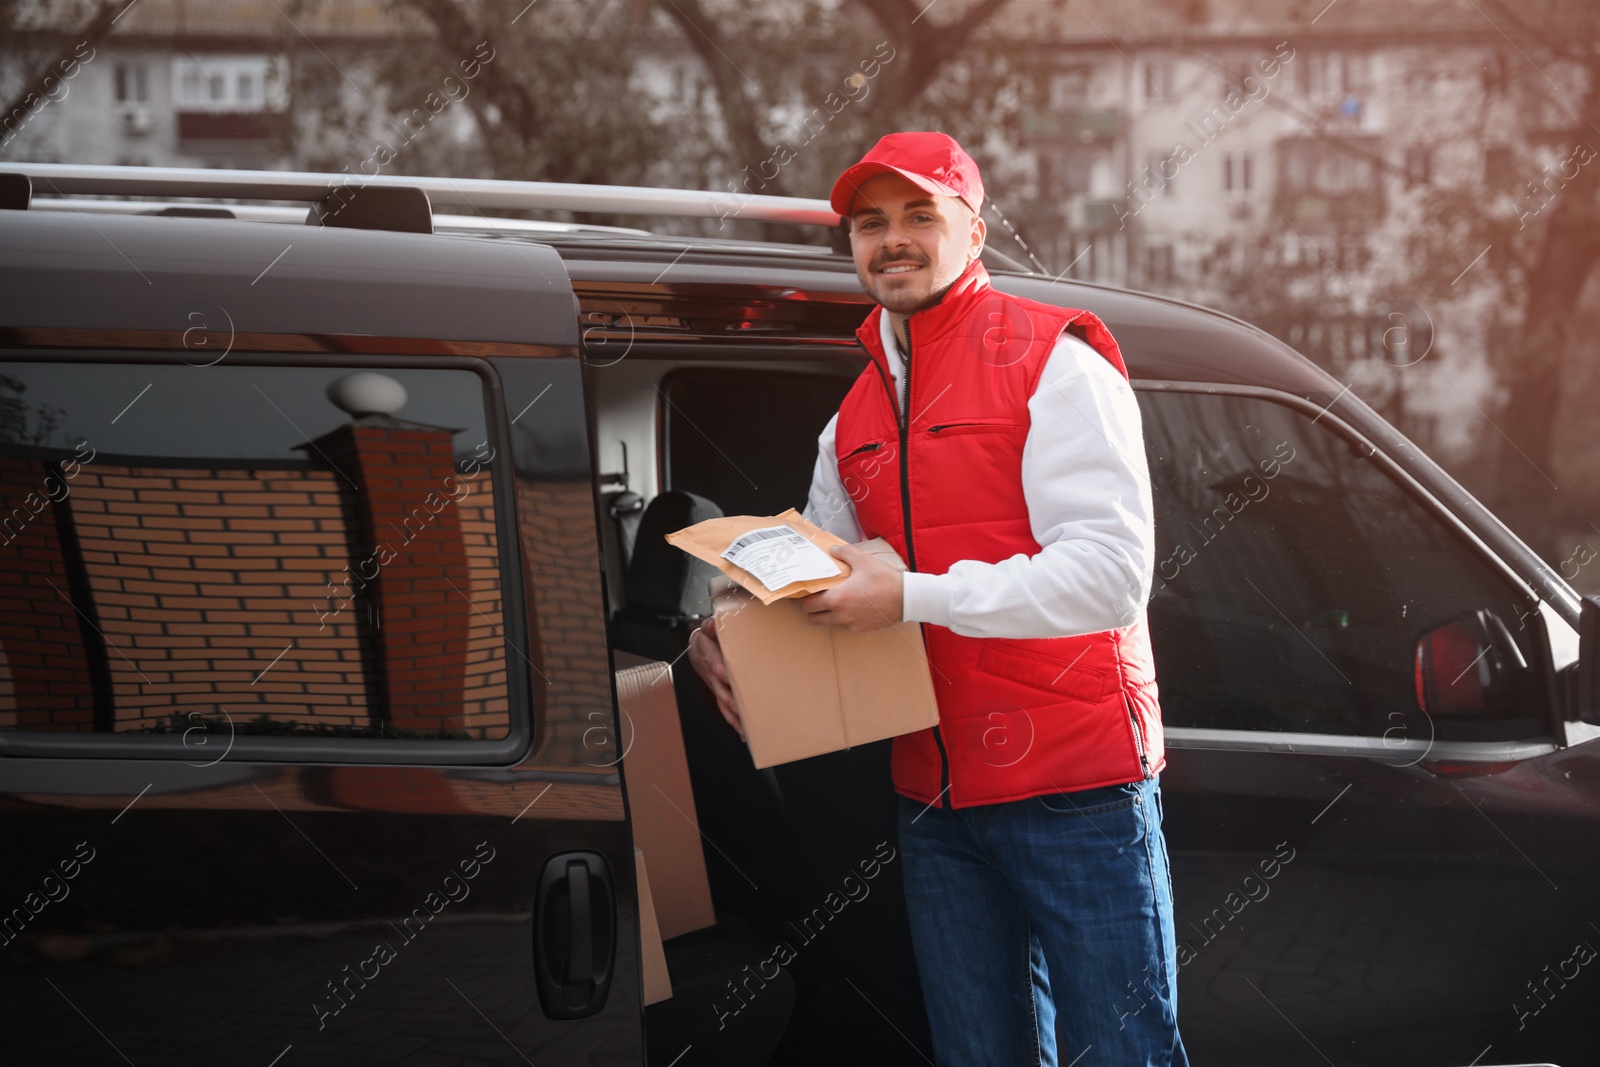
443, 221
72, 179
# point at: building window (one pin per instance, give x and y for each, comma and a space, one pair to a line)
132, 83
1355, 74
1350, 253
1157, 80
1247, 82
1334, 74
1328, 167
1069, 88
236, 83
1238, 175
1080, 256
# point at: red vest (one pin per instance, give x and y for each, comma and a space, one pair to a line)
1018, 717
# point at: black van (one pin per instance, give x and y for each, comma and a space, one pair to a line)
320, 546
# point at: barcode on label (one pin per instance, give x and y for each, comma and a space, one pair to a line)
779, 555
757, 536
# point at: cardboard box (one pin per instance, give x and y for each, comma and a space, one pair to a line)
660, 798
652, 957
804, 689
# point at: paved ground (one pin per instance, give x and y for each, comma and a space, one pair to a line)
249, 1002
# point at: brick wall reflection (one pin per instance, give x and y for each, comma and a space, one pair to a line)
211, 588
556, 520
42, 637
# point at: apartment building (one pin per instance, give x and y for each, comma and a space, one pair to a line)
1179, 140
199, 83
1164, 140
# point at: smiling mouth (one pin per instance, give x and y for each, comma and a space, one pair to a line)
900, 268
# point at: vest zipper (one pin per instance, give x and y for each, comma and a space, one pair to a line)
1138, 736
905, 422
905, 518
911, 552
960, 425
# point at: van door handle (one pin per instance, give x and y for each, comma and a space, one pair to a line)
580, 958
574, 934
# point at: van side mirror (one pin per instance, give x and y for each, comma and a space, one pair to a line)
1468, 666
1589, 660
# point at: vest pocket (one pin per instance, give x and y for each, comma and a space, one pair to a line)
957, 427
861, 450
1060, 673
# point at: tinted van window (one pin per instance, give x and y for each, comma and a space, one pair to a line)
302, 551
1293, 579
713, 419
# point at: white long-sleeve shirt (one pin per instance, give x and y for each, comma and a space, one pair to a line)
1087, 487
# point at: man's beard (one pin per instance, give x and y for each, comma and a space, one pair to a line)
909, 304
903, 303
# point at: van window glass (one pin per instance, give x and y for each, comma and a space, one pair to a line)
1293, 579
746, 439
291, 550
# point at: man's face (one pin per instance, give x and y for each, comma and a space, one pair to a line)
909, 245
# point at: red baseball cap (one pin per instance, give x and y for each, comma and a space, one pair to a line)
931, 161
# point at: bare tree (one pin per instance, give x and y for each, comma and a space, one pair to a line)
804, 87
930, 43
552, 95
745, 104
1531, 238
71, 48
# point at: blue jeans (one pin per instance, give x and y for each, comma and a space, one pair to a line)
1044, 919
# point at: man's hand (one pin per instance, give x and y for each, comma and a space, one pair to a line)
705, 654
869, 599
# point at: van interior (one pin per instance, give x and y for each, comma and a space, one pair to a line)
678, 440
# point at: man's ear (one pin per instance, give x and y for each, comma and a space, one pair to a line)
980, 233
